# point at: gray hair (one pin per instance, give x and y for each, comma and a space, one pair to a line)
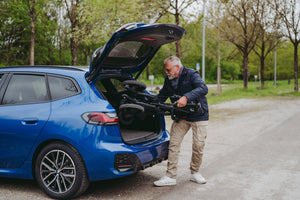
174, 60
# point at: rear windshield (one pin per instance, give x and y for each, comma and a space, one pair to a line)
129, 52
129, 49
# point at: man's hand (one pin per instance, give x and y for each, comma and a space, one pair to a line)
182, 101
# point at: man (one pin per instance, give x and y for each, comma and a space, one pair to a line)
188, 84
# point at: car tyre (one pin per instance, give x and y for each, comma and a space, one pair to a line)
60, 171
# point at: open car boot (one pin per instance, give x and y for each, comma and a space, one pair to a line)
137, 104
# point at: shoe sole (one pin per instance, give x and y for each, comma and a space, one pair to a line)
162, 185
194, 180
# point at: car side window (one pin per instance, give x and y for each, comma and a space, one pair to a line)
61, 87
25, 89
1, 80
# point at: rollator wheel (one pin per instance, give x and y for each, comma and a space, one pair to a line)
134, 86
129, 112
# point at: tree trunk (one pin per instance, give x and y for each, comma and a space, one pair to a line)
32, 41
262, 70
262, 60
74, 46
60, 44
219, 68
296, 65
177, 43
73, 17
32, 30
245, 66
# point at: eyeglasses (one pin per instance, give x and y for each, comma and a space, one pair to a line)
169, 69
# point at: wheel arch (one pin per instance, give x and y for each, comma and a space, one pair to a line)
46, 143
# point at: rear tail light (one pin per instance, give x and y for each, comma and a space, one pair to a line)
98, 118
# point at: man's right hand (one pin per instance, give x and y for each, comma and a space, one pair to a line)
182, 101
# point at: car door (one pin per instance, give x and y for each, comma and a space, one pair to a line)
24, 110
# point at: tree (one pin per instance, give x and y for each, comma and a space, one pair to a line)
14, 24
73, 9
289, 13
239, 26
215, 12
101, 18
62, 36
268, 34
175, 8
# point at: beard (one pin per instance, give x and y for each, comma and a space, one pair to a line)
172, 76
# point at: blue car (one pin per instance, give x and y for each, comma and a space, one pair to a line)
60, 125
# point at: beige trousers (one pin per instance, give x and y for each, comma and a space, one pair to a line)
178, 131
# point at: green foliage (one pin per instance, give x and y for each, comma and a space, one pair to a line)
230, 70
156, 66
13, 23
100, 18
284, 64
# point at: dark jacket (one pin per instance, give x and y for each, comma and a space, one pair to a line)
193, 87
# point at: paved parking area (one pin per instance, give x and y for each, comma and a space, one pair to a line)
252, 152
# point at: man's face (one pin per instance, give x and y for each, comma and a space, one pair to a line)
172, 71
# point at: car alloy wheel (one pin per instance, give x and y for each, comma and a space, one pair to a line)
60, 171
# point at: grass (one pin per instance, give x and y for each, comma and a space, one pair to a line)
233, 91
236, 91
156, 81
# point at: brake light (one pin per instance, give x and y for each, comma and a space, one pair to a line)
98, 118
148, 39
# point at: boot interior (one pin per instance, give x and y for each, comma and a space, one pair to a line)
143, 128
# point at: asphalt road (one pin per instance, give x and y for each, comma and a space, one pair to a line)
252, 153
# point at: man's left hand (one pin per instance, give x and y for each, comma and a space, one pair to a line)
182, 101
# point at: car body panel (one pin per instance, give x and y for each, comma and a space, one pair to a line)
20, 127
96, 144
145, 152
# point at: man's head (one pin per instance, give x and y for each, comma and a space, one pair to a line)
172, 67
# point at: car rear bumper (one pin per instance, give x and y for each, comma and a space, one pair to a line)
116, 160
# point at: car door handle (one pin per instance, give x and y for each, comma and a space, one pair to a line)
30, 121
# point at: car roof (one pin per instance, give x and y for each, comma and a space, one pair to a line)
62, 70
39, 67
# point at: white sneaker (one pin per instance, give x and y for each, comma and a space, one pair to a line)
165, 181
198, 178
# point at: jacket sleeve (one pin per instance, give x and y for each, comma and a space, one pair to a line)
164, 92
200, 88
